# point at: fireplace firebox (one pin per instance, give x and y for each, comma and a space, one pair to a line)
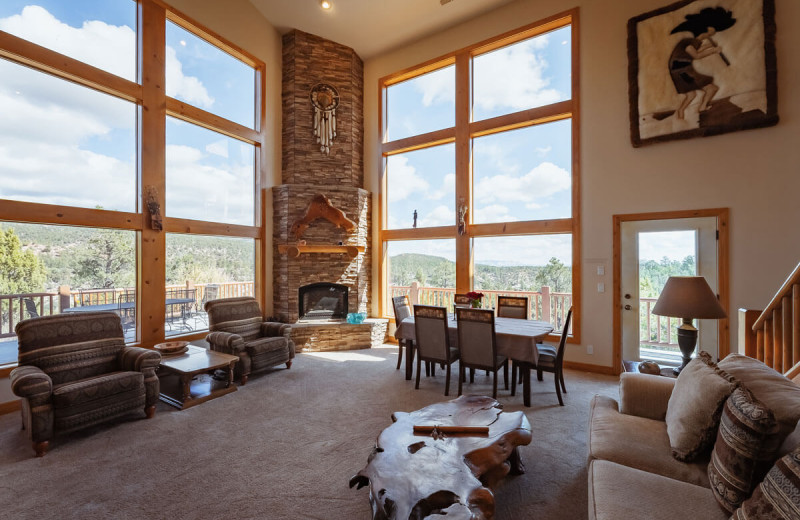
323, 301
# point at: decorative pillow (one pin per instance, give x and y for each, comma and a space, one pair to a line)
695, 406
778, 496
746, 445
770, 387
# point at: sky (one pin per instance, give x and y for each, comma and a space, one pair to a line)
674, 245
61, 143
518, 175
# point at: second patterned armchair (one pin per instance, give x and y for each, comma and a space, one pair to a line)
238, 328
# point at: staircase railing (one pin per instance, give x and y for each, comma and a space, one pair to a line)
773, 336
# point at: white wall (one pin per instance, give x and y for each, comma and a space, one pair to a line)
239, 22
755, 173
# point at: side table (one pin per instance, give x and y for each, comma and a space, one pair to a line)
186, 379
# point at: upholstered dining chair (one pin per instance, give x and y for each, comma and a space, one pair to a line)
433, 340
477, 345
461, 300
551, 359
512, 307
237, 327
402, 310
74, 371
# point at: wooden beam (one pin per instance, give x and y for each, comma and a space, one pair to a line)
463, 164
200, 117
418, 233
523, 118
152, 251
417, 70
437, 137
529, 227
577, 236
201, 227
43, 59
17, 211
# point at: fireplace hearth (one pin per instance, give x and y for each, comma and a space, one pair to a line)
323, 301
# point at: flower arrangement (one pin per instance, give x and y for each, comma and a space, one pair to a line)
476, 298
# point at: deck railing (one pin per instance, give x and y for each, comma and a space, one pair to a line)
543, 305
14, 308
656, 331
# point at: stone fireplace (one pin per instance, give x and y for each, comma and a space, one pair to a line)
330, 256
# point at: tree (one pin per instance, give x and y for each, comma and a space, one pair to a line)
555, 275
20, 270
108, 261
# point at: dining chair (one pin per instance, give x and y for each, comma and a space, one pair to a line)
461, 300
402, 310
551, 359
433, 340
512, 307
477, 345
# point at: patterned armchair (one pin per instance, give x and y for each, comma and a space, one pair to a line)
238, 328
75, 371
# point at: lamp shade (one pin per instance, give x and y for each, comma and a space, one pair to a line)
688, 297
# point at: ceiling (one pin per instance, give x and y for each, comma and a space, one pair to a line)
371, 27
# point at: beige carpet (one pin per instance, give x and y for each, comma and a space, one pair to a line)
284, 447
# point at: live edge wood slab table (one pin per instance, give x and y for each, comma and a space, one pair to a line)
186, 379
414, 476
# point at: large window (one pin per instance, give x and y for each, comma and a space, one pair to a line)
117, 116
480, 189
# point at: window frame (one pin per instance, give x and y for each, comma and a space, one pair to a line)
462, 134
153, 107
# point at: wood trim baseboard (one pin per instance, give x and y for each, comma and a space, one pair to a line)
586, 367
10, 407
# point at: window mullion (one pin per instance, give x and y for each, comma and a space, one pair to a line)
464, 268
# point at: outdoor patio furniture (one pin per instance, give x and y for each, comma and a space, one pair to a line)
30, 307
238, 328
75, 371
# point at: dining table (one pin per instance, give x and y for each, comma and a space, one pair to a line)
516, 339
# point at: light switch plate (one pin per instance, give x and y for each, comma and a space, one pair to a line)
601, 287
601, 270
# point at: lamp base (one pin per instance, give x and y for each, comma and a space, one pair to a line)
687, 339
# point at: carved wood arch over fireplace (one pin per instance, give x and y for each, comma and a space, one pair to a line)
323, 301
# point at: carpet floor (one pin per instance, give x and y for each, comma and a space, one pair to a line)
284, 447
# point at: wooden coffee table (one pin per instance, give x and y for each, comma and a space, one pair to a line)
186, 379
427, 474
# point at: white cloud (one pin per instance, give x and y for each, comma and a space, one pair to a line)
403, 179
218, 148
541, 182
187, 88
675, 245
448, 188
437, 87
543, 150
439, 216
530, 87
523, 250
495, 213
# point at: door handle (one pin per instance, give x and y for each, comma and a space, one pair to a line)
627, 307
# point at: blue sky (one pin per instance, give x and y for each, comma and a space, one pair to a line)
65, 144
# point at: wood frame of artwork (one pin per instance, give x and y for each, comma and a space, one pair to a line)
652, 120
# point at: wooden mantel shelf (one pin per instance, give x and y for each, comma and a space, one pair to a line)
296, 251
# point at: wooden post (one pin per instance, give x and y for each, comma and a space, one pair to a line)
796, 323
760, 345
546, 316
64, 299
777, 339
769, 349
747, 336
413, 294
788, 350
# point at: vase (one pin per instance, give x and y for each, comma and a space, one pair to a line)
476, 304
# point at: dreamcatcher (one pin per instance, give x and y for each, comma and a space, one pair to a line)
325, 99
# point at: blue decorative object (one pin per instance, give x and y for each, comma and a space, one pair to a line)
356, 317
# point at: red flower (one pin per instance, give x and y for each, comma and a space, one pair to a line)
473, 295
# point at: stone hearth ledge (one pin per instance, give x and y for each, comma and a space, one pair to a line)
325, 336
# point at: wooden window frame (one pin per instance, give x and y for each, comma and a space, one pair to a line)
462, 134
153, 108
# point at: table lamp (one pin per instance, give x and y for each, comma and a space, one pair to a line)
688, 297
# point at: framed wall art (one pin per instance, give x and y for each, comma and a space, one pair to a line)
700, 68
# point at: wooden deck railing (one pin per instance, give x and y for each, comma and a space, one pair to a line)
656, 330
774, 336
544, 304
13, 308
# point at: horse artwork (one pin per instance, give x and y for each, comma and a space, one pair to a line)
700, 68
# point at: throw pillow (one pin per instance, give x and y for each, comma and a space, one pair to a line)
745, 449
695, 406
770, 387
778, 496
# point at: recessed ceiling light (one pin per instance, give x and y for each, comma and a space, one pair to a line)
325, 4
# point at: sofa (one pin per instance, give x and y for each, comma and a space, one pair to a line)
632, 470
75, 371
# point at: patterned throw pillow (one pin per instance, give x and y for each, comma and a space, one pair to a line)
695, 406
747, 443
778, 497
